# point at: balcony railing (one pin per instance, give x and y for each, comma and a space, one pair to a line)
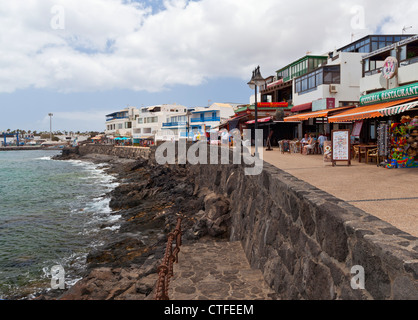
206, 119
116, 118
174, 124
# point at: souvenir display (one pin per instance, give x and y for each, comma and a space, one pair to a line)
404, 143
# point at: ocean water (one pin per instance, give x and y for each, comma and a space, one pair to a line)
51, 213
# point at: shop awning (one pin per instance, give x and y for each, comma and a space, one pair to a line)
367, 112
399, 109
314, 114
302, 107
260, 120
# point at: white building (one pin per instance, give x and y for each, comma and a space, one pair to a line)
205, 119
175, 126
406, 54
150, 121
119, 123
335, 84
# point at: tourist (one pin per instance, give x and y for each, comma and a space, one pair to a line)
304, 142
321, 139
309, 145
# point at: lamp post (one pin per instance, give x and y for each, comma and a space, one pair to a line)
256, 81
50, 125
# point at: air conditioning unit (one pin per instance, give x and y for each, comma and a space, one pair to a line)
333, 88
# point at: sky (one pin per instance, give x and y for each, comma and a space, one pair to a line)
83, 59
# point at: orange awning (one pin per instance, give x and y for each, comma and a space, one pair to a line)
315, 114
365, 112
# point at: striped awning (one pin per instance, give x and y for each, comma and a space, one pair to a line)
398, 109
315, 114
367, 112
260, 120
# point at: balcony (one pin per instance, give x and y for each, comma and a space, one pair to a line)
174, 124
205, 119
116, 118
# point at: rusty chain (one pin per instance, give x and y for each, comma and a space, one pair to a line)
165, 270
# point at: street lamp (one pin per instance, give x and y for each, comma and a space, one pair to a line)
256, 81
50, 126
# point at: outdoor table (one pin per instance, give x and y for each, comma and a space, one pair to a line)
365, 148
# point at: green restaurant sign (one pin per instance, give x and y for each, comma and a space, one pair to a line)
405, 92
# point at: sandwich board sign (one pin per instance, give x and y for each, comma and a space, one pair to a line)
341, 146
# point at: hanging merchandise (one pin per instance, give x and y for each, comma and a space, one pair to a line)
383, 140
404, 143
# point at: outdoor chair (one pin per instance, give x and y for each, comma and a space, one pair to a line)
355, 152
373, 154
310, 149
284, 146
297, 147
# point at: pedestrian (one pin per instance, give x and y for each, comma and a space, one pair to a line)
321, 139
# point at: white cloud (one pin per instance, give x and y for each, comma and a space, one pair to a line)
108, 44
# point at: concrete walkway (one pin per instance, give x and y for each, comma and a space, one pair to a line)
216, 271
389, 194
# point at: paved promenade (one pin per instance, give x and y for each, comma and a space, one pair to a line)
389, 194
216, 271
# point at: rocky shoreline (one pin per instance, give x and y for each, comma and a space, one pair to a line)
150, 198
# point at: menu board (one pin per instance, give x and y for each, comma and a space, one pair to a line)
341, 146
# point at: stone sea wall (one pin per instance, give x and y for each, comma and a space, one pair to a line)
122, 152
304, 240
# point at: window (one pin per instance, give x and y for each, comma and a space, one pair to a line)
140, 120
366, 65
151, 120
120, 126
311, 81
402, 53
319, 79
332, 75
298, 87
324, 75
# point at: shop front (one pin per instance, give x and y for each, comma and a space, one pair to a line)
389, 119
